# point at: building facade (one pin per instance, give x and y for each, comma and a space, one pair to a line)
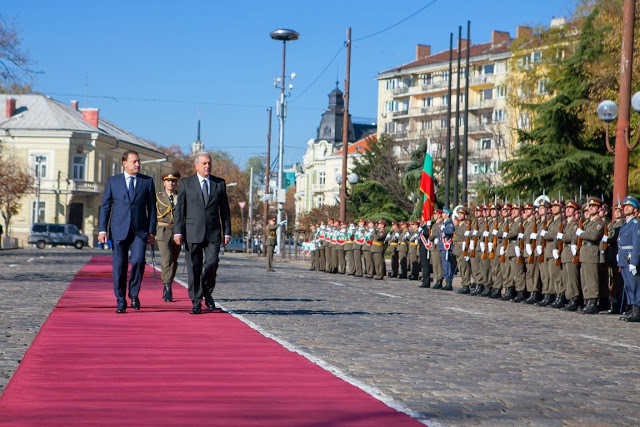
71, 153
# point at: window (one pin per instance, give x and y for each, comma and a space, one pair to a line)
445, 76
542, 87
445, 99
536, 56
426, 124
390, 127
523, 121
391, 84
40, 166
114, 169
321, 177
388, 106
462, 99
501, 67
79, 167
320, 201
101, 170
501, 91
488, 69
427, 102
498, 116
483, 144
427, 79
443, 123
486, 94
42, 208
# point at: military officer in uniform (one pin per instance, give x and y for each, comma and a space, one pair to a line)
169, 250
445, 246
412, 256
366, 250
377, 250
552, 254
358, 246
460, 249
272, 241
425, 263
403, 249
436, 259
629, 257
591, 235
570, 271
393, 239
616, 284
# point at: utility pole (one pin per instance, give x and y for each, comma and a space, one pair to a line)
265, 218
345, 134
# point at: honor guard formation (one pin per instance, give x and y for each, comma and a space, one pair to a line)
548, 253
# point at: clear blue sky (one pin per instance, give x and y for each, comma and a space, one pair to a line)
149, 66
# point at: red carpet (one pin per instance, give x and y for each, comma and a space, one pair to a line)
162, 366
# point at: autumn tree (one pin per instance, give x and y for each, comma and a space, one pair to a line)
16, 73
15, 181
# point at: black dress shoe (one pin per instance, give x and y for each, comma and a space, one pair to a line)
533, 298
197, 309
135, 303
210, 303
487, 291
519, 297
477, 290
592, 306
509, 294
548, 299
121, 310
438, 285
635, 315
560, 301
572, 306
425, 285
496, 293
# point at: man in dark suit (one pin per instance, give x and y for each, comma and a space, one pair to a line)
201, 219
129, 208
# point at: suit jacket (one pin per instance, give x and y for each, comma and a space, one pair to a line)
196, 220
137, 213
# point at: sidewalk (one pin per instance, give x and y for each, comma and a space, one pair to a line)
160, 365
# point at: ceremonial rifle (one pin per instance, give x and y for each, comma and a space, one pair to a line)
531, 258
505, 242
520, 259
494, 243
560, 243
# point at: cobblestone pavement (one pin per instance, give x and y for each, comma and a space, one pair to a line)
453, 359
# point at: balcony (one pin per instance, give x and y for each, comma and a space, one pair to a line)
400, 113
89, 187
401, 91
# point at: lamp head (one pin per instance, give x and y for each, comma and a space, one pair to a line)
607, 111
284, 35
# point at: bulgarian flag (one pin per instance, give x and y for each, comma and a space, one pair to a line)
426, 184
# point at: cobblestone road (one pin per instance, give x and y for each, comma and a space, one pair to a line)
452, 359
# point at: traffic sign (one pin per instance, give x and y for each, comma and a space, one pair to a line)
242, 204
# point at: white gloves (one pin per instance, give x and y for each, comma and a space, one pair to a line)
474, 232
574, 250
633, 269
520, 236
605, 238
464, 245
467, 258
518, 253
504, 235
471, 246
485, 234
539, 249
481, 246
466, 233
494, 232
529, 249
435, 241
555, 253
579, 231
533, 236
501, 250
543, 233
490, 247
559, 236
428, 223
283, 222
397, 235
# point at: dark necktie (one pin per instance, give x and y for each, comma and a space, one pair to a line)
205, 190
171, 201
131, 178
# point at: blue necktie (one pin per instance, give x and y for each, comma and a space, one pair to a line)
131, 178
205, 190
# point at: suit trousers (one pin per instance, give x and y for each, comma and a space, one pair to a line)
425, 263
120, 265
202, 267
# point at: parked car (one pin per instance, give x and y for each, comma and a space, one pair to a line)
43, 234
235, 245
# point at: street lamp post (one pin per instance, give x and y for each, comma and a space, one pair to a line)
285, 35
38, 160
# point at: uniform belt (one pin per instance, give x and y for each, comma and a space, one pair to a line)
392, 244
585, 243
403, 243
165, 224
377, 243
625, 248
349, 243
413, 244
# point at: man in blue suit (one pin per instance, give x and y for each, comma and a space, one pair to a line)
129, 208
201, 221
629, 257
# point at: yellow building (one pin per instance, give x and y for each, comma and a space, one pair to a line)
71, 153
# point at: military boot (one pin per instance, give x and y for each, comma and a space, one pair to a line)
425, 284
520, 297
463, 290
448, 286
167, 295
533, 298
509, 294
478, 289
635, 315
559, 302
487, 291
592, 306
438, 285
497, 293
548, 299
572, 306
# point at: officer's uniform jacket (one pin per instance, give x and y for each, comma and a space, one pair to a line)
553, 227
164, 212
591, 238
351, 237
271, 234
512, 236
446, 231
530, 238
569, 238
629, 243
502, 225
413, 242
378, 241
392, 239
612, 250
435, 234
459, 237
403, 241
368, 239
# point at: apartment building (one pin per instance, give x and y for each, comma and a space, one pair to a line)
413, 103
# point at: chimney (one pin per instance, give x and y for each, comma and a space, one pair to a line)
11, 106
525, 32
91, 116
422, 51
464, 43
500, 37
74, 104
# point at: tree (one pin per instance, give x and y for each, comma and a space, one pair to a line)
379, 164
16, 73
15, 181
558, 154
